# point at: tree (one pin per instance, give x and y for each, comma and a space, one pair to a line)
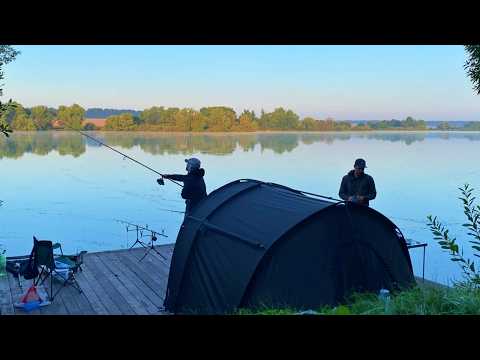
472, 125
472, 65
246, 122
122, 122
309, 123
279, 119
42, 117
71, 116
164, 117
21, 120
444, 125
7, 54
219, 118
199, 122
409, 122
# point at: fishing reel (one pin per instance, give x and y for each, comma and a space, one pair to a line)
160, 181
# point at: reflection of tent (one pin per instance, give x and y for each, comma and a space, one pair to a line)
251, 243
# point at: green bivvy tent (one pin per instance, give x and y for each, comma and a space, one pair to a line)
251, 244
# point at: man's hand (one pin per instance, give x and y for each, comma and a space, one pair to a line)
160, 181
350, 198
361, 198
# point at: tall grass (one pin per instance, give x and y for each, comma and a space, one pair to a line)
459, 300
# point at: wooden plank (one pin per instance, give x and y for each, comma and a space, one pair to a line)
88, 277
154, 266
155, 259
119, 282
140, 284
158, 260
6, 300
134, 286
153, 276
157, 285
167, 253
76, 303
96, 303
109, 287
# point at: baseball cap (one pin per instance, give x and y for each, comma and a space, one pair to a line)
360, 163
193, 162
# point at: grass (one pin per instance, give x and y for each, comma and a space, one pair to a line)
458, 300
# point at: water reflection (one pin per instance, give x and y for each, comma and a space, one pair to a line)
71, 143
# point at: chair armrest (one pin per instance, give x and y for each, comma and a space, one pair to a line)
57, 246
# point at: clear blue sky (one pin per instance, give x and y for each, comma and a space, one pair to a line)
343, 82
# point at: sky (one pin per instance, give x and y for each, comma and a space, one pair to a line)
343, 82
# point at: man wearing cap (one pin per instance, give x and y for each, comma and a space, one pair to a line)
357, 186
193, 184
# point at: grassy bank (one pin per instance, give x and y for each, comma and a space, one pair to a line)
458, 300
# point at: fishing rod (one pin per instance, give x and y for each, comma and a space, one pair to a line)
124, 155
142, 228
321, 196
153, 238
174, 211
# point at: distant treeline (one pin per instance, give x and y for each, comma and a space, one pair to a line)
207, 119
99, 113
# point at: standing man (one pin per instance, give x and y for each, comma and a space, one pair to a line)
194, 189
357, 186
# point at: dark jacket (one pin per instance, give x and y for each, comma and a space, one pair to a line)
362, 185
194, 189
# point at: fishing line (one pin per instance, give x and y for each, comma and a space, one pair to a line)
119, 152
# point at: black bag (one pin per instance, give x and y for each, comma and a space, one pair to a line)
13, 269
29, 270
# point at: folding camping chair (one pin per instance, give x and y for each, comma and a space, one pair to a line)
44, 257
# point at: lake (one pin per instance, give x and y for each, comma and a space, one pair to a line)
66, 188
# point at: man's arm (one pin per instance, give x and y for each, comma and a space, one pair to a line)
343, 190
175, 177
372, 191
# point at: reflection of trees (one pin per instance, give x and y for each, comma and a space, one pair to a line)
69, 143
279, 143
471, 137
41, 143
247, 141
406, 137
72, 145
309, 138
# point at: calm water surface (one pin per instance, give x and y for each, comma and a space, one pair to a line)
62, 187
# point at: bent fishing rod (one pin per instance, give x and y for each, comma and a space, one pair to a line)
119, 152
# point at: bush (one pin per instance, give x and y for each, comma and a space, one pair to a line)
441, 234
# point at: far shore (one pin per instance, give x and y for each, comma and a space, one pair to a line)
256, 132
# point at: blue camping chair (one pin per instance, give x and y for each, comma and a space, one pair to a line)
51, 266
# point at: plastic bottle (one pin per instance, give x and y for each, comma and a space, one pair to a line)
3, 263
384, 295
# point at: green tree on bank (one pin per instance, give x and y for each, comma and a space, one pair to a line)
71, 116
42, 117
21, 120
472, 65
123, 122
7, 54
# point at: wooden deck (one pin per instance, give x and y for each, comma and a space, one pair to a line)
113, 283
